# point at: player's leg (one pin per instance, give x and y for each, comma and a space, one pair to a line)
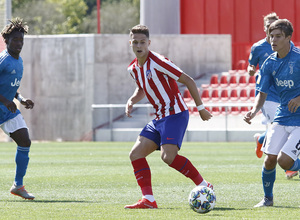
275, 139
145, 144
169, 154
287, 157
259, 139
18, 131
172, 131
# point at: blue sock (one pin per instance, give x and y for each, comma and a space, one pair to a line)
296, 165
268, 179
262, 137
22, 160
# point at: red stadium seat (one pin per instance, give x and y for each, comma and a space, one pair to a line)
214, 81
215, 95
232, 72
232, 81
205, 95
252, 94
215, 110
224, 95
223, 81
241, 65
252, 80
223, 110
243, 95
243, 81
244, 109
187, 96
233, 95
234, 110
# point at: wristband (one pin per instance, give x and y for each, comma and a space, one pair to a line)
21, 98
200, 107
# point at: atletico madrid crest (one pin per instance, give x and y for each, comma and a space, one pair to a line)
148, 74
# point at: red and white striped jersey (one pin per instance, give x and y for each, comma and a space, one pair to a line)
157, 77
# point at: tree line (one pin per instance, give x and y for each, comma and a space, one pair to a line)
77, 16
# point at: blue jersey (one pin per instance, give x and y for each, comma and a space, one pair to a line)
11, 72
259, 53
284, 74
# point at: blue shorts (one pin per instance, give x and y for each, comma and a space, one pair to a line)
168, 130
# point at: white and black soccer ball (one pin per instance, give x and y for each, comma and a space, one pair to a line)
202, 199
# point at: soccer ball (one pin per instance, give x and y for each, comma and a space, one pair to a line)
202, 199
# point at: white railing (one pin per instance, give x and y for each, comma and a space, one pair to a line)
150, 107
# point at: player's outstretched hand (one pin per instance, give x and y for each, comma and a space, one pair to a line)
294, 104
248, 117
28, 104
205, 115
128, 109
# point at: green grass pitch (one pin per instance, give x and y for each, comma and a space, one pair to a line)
94, 180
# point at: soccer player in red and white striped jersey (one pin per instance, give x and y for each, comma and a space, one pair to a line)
156, 78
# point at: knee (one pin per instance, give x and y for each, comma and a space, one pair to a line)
284, 161
270, 162
167, 158
25, 143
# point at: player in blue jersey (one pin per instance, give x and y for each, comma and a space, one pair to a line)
11, 120
259, 53
282, 70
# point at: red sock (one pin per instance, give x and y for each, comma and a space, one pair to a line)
184, 166
143, 175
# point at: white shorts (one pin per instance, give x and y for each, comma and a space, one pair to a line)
282, 138
13, 124
268, 112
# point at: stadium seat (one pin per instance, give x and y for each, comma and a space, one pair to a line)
233, 81
252, 80
215, 110
205, 95
214, 81
215, 95
252, 94
223, 110
244, 109
242, 72
223, 81
233, 95
242, 81
234, 110
241, 65
224, 95
243, 95
232, 72
187, 96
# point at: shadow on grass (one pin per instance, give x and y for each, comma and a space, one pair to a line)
54, 201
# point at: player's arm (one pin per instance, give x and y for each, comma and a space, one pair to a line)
251, 69
137, 96
26, 102
192, 87
294, 104
258, 104
10, 105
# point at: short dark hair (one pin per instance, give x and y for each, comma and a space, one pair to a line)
271, 16
140, 29
16, 24
284, 25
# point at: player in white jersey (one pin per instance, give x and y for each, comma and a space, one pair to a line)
281, 69
156, 78
260, 51
11, 120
